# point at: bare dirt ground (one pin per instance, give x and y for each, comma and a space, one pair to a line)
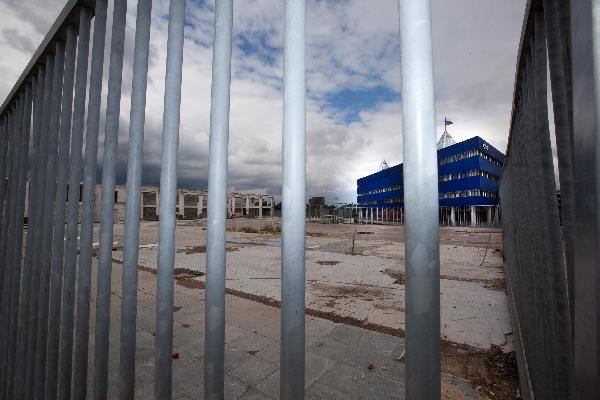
355, 276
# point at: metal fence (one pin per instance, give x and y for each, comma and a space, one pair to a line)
46, 270
552, 260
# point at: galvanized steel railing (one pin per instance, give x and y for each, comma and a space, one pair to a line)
552, 260
45, 325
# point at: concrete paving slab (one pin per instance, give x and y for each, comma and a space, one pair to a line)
338, 355
369, 288
253, 370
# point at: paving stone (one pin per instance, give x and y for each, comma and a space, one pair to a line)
251, 342
316, 365
328, 348
253, 370
189, 338
188, 377
234, 356
233, 387
271, 353
271, 385
355, 384
232, 333
255, 394
347, 334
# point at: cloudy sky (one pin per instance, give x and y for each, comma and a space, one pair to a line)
353, 77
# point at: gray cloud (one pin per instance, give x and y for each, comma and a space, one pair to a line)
352, 44
13, 38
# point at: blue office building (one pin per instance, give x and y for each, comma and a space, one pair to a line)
469, 173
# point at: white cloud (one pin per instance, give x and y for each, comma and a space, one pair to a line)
352, 44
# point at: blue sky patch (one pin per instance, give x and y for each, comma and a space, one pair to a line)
348, 103
258, 46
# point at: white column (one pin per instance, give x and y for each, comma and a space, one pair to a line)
473, 216
181, 204
200, 210
260, 205
453, 216
247, 205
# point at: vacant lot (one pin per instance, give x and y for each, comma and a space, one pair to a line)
354, 279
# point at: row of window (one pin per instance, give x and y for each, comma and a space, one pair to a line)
468, 193
367, 203
382, 190
374, 202
394, 200
467, 154
473, 172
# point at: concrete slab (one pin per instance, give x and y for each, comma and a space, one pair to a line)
361, 288
370, 289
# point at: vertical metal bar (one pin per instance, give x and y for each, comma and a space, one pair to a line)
24, 328
37, 228
293, 201
8, 222
556, 287
132, 204
58, 242
168, 191
82, 328
75, 169
421, 202
48, 222
585, 42
8, 289
109, 165
557, 58
18, 234
214, 342
4, 162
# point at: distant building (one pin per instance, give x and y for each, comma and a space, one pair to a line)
468, 171
316, 208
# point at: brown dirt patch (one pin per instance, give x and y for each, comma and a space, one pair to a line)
398, 276
492, 372
492, 284
201, 249
192, 249
328, 262
348, 290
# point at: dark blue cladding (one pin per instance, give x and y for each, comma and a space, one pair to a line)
468, 171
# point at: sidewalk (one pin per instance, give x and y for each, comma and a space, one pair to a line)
338, 356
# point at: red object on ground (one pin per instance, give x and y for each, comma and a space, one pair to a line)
175, 355
371, 367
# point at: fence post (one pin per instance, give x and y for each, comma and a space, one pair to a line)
38, 227
8, 221
421, 202
293, 202
14, 339
48, 222
75, 170
214, 345
168, 191
58, 242
82, 328
24, 329
585, 42
132, 204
